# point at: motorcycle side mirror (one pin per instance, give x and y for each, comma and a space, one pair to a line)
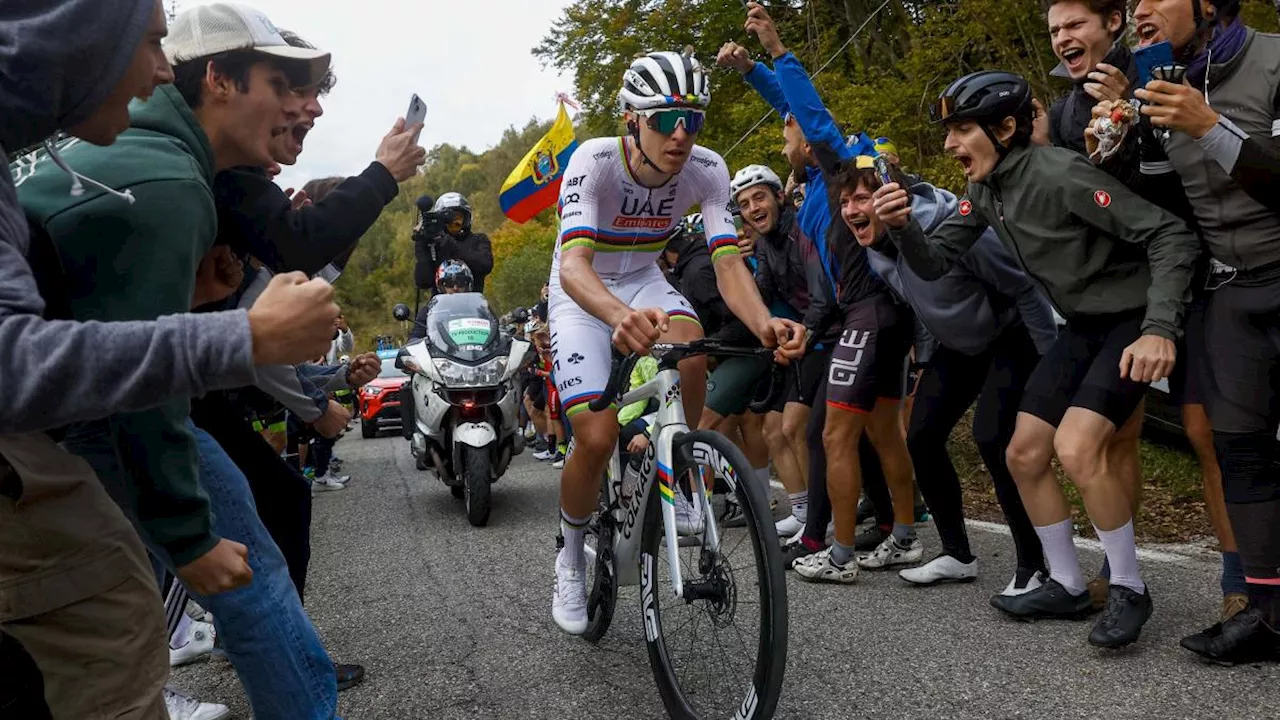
400, 312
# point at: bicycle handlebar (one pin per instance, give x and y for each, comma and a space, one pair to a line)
672, 353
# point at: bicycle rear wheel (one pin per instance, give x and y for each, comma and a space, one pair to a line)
721, 650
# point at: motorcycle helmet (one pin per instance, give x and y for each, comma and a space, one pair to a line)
449, 203
453, 275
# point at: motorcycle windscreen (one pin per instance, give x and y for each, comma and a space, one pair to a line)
461, 326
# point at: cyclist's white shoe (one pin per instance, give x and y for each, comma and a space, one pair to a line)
819, 567
569, 601
943, 568
890, 553
181, 707
199, 644
788, 526
688, 515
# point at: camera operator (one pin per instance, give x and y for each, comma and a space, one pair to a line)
444, 233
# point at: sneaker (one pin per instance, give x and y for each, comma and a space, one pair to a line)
557, 462
942, 569
545, 454
199, 645
1098, 592
569, 601
890, 553
530, 432
1122, 620
1245, 638
334, 477
1050, 600
181, 707
349, 676
819, 567
796, 552
870, 539
325, 484
195, 612
688, 515
1234, 604
733, 515
1023, 582
788, 526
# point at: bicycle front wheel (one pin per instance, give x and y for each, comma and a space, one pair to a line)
720, 650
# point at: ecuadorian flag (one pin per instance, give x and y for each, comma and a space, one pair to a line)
534, 185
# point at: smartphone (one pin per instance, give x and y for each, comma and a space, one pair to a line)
883, 170
417, 111
1172, 73
1150, 57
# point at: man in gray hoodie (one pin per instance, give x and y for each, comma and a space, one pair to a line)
982, 328
75, 585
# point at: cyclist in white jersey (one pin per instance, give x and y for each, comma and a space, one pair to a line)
620, 201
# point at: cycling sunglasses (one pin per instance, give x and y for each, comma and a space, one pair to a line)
666, 120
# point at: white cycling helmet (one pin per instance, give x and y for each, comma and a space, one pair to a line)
665, 79
753, 175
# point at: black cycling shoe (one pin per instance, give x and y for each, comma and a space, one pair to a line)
349, 676
1245, 638
870, 539
1050, 600
866, 510
1122, 620
795, 551
733, 515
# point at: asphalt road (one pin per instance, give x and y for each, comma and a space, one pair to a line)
454, 622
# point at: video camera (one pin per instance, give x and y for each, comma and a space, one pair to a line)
432, 224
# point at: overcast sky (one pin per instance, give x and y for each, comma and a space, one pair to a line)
470, 61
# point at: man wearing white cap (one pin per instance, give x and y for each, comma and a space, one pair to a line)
141, 244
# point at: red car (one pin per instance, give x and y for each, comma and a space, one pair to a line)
380, 398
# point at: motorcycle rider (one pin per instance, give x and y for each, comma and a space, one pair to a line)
444, 233
453, 276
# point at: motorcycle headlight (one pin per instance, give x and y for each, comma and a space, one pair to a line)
458, 375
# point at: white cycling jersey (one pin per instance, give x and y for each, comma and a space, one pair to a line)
603, 207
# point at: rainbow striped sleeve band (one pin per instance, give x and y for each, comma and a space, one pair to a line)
722, 246
578, 237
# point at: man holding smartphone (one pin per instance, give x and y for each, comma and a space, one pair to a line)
1224, 149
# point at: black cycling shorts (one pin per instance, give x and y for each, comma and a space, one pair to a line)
1242, 325
866, 363
536, 391
1082, 369
1190, 382
805, 378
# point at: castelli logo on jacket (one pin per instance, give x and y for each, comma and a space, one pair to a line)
966, 208
1102, 198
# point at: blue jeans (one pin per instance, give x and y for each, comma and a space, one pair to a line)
285, 671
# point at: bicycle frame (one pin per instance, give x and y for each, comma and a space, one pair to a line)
657, 478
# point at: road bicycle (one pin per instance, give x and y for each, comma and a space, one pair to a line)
737, 602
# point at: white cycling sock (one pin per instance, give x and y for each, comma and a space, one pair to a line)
1122, 552
182, 635
574, 530
1060, 552
800, 505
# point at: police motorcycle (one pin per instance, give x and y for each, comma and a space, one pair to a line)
465, 423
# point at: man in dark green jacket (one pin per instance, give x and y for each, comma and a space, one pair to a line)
131, 249
1119, 270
